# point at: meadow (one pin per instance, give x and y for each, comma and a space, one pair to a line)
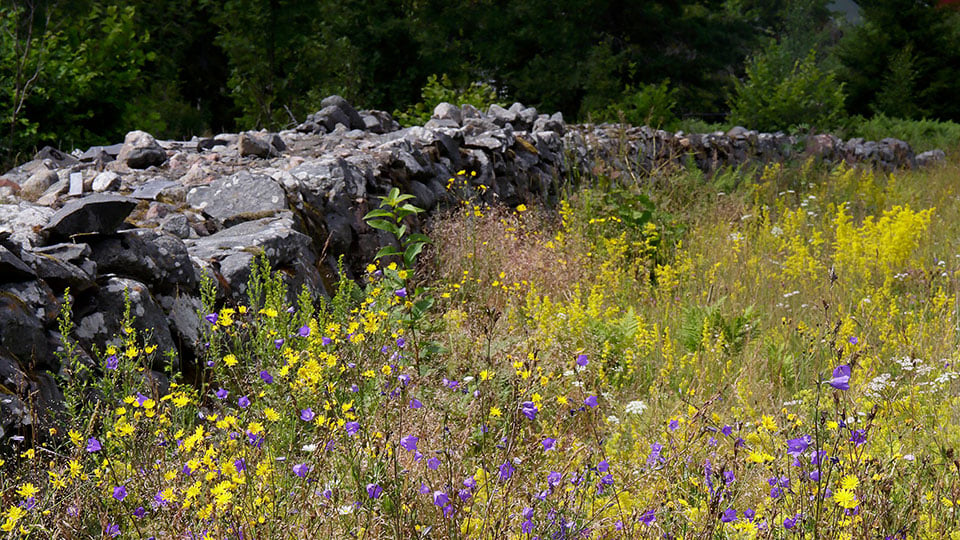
766, 352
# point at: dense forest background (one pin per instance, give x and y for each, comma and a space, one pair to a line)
74, 73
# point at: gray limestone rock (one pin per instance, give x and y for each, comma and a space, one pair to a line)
58, 158
148, 255
99, 213
182, 312
21, 331
106, 181
354, 121
233, 249
329, 117
23, 222
931, 157
446, 111
12, 268
38, 297
329, 183
55, 265
177, 225
151, 190
501, 116
140, 150
252, 144
239, 197
100, 323
38, 183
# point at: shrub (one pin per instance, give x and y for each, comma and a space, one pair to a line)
922, 135
769, 100
648, 104
438, 90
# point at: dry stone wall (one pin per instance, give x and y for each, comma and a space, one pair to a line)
147, 218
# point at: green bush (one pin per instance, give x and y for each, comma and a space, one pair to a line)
649, 104
769, 100
439, 90
922, 135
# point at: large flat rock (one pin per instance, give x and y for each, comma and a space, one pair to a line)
239, 197
100, 213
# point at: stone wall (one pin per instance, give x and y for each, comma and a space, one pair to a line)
149, 217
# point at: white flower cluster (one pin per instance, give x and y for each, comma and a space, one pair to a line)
879, 384
636, 407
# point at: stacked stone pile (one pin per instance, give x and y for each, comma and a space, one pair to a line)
147, 218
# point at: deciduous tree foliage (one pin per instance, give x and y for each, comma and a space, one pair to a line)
82, 72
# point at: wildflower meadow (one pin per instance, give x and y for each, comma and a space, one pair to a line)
767, 352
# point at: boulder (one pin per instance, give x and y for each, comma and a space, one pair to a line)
177, 225
100, 213
354, 121
38, 297
329, 183
99, 322
501, 116
329, 117
148, 255
22, 333
104, 154
38, 183
931, 157
140, 150
12, 268
152, 189
446, 111
239, 197
57, 268
552, 123
378, 122
182, 312
232, 250
24, 222
252, 144
106, 181
58, 158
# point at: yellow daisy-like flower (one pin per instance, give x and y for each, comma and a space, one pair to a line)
230, 360
849, 482
495, 412
27, 490
75, 437
845, 499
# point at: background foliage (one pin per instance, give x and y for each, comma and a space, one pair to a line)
84, 72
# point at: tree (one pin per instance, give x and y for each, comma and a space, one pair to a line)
75, 65
770, 100
904, 49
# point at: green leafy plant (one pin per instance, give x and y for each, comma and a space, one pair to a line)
647, 104
769, 100
389, 217
439, 90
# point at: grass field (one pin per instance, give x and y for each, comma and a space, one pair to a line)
761, 354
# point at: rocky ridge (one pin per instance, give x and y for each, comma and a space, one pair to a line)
147, 218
